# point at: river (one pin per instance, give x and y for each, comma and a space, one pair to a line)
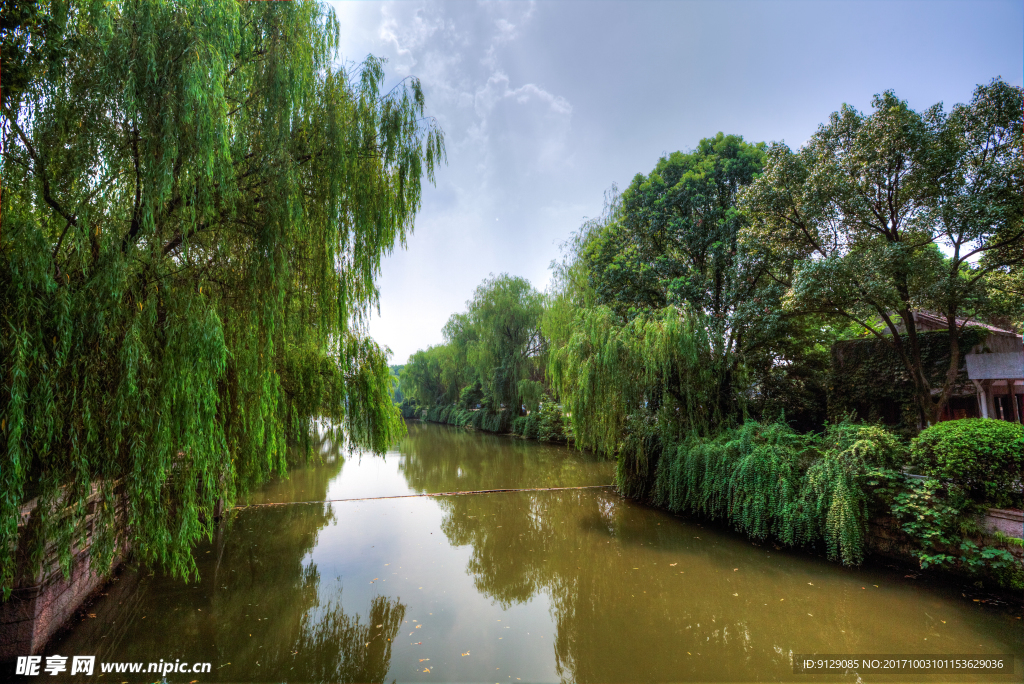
543, 586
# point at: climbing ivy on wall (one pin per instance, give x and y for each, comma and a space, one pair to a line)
869, 381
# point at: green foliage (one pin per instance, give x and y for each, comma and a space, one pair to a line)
941, 525
409, 408
950, 185
672, 239
546, 424
984, 457
869, 379
433, 376
471, 396
396, 379
483, 419
493, 355
185, 278
619, 379
769, 481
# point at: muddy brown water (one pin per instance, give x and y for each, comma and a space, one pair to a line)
545, 586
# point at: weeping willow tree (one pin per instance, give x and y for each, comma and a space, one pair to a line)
196, 201
631, 386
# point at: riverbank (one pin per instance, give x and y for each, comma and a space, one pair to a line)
849, 517
531, 585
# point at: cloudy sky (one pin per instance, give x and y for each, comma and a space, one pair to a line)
545, 105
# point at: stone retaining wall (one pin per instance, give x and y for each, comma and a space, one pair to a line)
886, 539
43, 602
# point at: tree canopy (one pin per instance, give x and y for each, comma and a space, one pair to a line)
494, 352
885, 213
197, 200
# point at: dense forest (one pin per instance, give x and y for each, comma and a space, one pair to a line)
688, 330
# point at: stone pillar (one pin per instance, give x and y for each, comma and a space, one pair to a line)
982, 399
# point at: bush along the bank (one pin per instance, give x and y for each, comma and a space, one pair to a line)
768, 481
410, 408
547, 424
941, 519
984, 458
481, 419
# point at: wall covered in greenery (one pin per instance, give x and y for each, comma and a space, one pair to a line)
869, 381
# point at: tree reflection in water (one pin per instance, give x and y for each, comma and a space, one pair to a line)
612, 623
333, 647
260, 611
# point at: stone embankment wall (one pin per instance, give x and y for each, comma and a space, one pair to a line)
886, 539
43, 602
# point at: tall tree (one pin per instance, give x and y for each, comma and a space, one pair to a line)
672, 239
495, 348
885, 213
195, 211
508, 352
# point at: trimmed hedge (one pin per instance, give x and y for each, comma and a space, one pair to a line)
983, 456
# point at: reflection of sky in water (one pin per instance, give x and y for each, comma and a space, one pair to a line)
573, 585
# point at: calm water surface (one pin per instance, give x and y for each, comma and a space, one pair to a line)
510, 587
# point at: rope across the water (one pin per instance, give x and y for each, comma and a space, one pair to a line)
412, 496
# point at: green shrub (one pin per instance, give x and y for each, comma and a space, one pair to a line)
551, 422
985, 457
769, 481
532, 423
471, 396
519, 425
